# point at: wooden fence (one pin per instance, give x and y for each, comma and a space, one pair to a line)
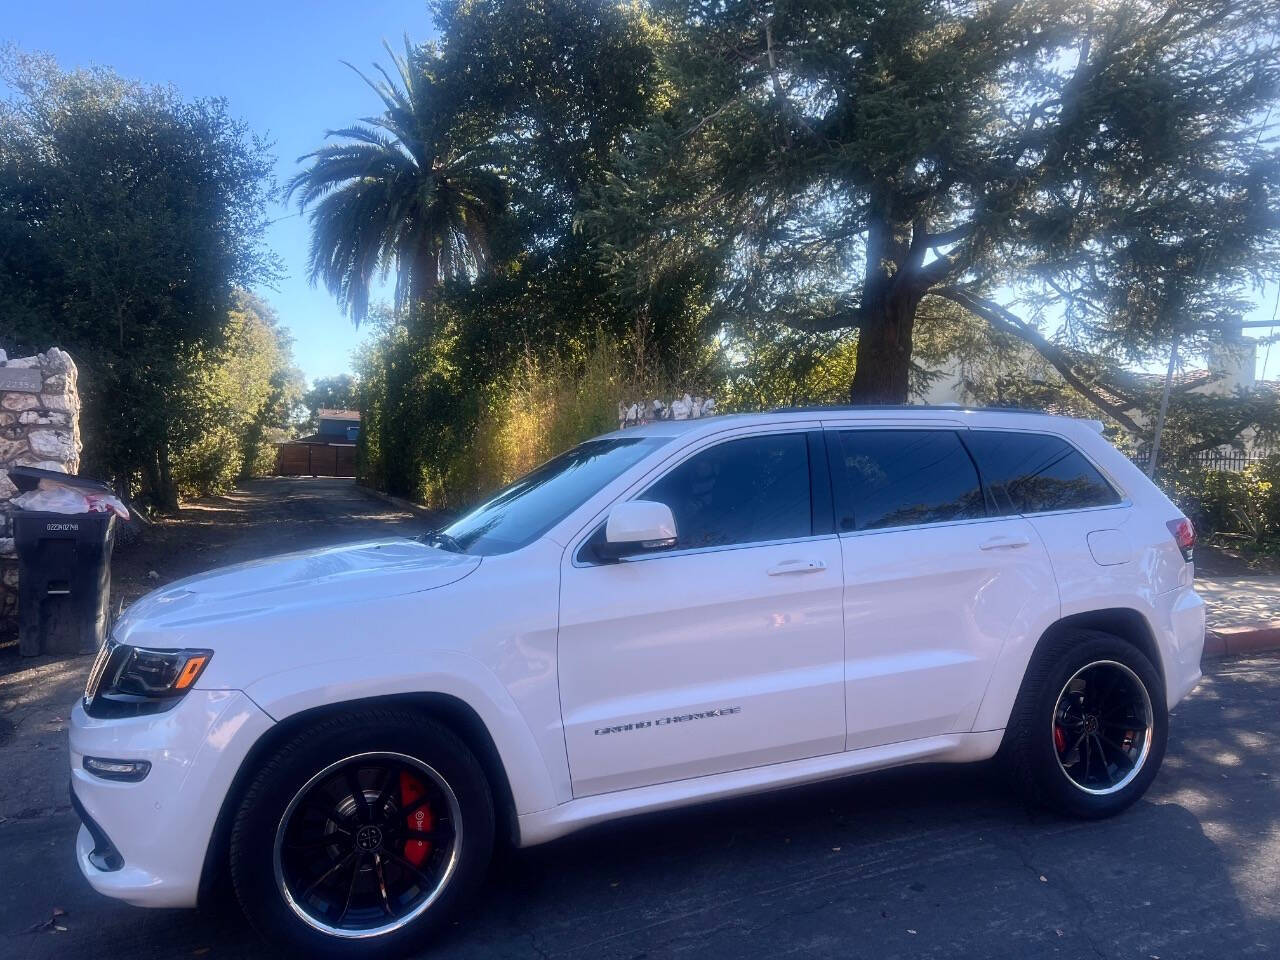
315, 460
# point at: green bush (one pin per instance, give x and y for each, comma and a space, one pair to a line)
428, 437
233, 399
1218, 502
443, 423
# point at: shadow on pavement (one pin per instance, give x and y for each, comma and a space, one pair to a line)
920, 863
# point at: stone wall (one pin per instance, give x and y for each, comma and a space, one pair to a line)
39, 427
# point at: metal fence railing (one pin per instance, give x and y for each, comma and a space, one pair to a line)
1225, 461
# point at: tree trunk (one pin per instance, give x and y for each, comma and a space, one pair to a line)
890, 294
166, 494
881, 374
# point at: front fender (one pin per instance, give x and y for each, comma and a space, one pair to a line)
285, 694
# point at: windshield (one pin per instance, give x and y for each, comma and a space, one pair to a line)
522, 512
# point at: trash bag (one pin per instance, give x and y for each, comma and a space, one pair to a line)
50, 496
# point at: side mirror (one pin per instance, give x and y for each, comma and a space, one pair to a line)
637, 526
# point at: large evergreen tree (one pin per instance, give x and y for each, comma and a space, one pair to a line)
129, 218
1099, 167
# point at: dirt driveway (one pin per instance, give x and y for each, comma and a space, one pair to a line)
273, 515
262, 517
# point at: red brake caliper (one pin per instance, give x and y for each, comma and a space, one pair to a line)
415, 851
1059, 739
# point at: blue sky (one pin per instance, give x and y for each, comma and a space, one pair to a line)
278, 64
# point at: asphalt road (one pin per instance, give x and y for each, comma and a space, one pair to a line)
924, 862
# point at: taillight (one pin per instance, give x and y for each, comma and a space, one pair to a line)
1184, 535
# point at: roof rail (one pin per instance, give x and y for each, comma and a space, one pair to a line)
944, 408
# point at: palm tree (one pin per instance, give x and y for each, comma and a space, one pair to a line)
410, 190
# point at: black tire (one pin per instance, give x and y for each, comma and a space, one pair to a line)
1038, 763
389, 737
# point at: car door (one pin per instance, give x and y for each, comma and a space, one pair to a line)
725, 651
934, 583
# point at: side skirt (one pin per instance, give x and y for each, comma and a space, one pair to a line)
544, 825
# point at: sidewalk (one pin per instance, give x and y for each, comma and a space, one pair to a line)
1242, 614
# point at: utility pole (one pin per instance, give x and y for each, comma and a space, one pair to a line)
1164, 410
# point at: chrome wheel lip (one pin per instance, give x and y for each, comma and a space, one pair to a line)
1149, 718
455, 814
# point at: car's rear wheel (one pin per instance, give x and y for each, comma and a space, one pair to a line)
361, 835
1089, 728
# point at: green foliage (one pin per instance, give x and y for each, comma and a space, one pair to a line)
838, 161
750, 197
432, 432
1246, 504
128, 218
771, 366
412, 189
235, 404
543, 93
539, 410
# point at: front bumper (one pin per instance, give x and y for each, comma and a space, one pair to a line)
160, 826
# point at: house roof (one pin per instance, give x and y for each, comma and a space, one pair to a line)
322, 439
324, 414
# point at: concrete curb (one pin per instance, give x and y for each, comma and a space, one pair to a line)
1241, 641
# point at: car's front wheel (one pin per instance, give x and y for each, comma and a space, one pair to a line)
1089, 728
361, 835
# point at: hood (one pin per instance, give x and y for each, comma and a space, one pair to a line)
354, 572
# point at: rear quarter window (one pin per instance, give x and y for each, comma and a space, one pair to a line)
1037, 472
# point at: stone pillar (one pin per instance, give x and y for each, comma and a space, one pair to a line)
39, 427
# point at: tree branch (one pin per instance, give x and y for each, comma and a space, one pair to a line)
945, 238
708, 118
1002, 319
784, 105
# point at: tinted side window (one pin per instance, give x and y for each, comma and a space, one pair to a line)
741, 491
893, 478
1035, 473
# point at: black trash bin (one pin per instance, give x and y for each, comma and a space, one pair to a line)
64, 571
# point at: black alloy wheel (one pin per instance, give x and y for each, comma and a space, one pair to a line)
1102, 727
363, 835
1088, 729
367, 844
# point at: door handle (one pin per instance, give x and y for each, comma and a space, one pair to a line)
796, 566
1004, 543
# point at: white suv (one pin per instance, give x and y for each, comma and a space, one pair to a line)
661, 616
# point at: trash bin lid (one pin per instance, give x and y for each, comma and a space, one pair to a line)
27, 478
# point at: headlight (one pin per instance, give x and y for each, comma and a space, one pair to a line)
127, 681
